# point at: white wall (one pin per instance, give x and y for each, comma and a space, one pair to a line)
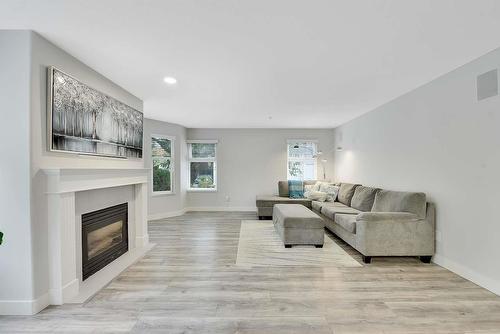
250, 162
24, 60
440, 140
16, 290
44, 54
161, 206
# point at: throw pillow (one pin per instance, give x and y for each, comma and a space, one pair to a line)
317, 196
363, 198
317, 185
346, 192
295, 189
331, 190
307, 189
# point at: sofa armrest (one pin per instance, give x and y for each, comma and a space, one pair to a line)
393, 234
386, 216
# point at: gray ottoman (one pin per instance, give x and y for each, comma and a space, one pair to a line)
297, 225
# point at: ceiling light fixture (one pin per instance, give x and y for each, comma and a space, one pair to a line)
170, 80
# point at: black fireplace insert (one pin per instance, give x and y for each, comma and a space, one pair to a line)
104, 237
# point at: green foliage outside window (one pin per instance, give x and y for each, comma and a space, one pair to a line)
161, 175
202, 174
204, 181
161, 149
202, 165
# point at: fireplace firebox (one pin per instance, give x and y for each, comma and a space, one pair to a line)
104, 237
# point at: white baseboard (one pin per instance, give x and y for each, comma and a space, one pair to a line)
163, 215
61, 296
222, 208
70, 289
467, 273
97, 281
141, 242
24, 307
87, 289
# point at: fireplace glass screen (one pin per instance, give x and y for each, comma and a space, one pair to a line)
104, 237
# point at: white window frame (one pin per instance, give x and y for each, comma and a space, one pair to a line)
314, 159
172, 166
191, 159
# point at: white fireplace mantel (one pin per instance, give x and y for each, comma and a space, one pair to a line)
60, 188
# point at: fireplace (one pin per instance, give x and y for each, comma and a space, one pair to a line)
104, 237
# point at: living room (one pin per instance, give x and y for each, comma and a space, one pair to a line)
249, 167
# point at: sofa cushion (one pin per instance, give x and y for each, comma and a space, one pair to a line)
331, 190
348, 222
400, 201
316, 205
363, 198
388, 217
331, 210
346, 192
283, 188
308, 187
316, 186
309, 182
307, 190
317, 196
335, 205
270, 201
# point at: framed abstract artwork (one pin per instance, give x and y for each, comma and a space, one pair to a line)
83, 120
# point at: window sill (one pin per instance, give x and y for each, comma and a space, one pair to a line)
163, 193
206, 190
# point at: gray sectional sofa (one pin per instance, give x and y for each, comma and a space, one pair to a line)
376, 222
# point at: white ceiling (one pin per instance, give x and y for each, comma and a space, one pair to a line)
306, 64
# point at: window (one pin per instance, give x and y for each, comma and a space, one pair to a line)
301, 160
162, 158
202, 165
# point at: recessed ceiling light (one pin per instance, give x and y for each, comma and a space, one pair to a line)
170, 80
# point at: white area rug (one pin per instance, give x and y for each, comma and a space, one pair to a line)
260, 245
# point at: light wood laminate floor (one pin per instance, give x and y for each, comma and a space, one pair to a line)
189, 284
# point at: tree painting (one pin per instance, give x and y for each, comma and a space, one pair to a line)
87, 121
